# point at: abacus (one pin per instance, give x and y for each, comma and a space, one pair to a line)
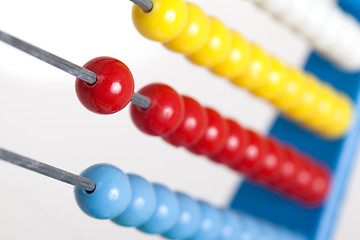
299, 171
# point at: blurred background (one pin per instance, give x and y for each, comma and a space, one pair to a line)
41, 117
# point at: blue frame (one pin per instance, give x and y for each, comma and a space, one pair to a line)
318, 223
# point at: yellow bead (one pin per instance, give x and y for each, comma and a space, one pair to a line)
342, 118
257, 70
217, 46
195, 34
164, 22
291, 94
237, 60
275, 81
305, 108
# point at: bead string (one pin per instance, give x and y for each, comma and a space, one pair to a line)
62, 64
205, 132
174, 215
206, 41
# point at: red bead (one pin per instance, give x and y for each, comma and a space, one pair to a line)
113, 89
287, 170
255, 151
214, 137
273, 159
234, 147
302, 180
192, 127
165, 113
319, 186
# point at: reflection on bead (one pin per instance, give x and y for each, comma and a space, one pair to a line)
235, 145
188, 220
230, 229
112, 193
275, 83
113, 89
210, 223
216, 48
164, 114
194, 35
142, 204
237, 60
214, 137
192, 127
257, 71
164, 22
166, 213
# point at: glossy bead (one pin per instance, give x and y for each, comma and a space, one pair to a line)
216, 48
166, 212
164, 22
195, 34
303, 178
257, 70
188, 220
211, 222
142, 204
287, 170
111, 196
164, 114
237, 59
275, 81
292, 90
271, 163
234, 147
319, 186
113, 89
249, 228
230, 228
253, 158
192, 127
214, 137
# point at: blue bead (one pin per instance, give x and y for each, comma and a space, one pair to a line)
211, 222
188, 220
231, 223
250, 228
142, 204
112, 193
166, 213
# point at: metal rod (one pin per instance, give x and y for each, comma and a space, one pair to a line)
147, 5
47, 170
73, 69
141, 101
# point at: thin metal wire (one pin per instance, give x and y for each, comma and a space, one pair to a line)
147, 5
73, 69
47, 170
141, 101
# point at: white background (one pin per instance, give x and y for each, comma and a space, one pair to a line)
42, 118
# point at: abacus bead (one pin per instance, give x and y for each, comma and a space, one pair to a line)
192, 127
255, 151
319, 186
249, 228
164, 114
257, 70
287, 169
214, 137
271, 163
230, 228
303, 178
188, 220
164, 22
195, 34
166, 212
237, 60
112, 193
142, 204
235, 144
216, 48
113, 89
211, 222
275, 81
